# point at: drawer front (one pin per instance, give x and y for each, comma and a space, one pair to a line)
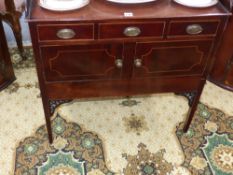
81, 62
60, 32
194, 28
125, 87
131, 30
171, 59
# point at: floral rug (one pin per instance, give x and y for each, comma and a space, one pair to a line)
208, 149
131, 136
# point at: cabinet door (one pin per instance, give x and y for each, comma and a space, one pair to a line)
171, 59
87, 62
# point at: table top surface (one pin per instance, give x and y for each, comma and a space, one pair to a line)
98, 10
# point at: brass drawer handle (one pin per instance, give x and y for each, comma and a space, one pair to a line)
132, 31
66, 33
119, 63
138, 62
194, 29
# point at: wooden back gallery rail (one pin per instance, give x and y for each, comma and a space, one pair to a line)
99, 51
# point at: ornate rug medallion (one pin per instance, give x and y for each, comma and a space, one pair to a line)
222, 157
62, 163
135, 124
147, 163
62, 170
73, 152
208, 145
219, 152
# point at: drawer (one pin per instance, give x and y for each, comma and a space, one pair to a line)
120, 88
129, 30
192, 28
56, 32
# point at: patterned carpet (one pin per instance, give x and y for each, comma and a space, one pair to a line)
135, 136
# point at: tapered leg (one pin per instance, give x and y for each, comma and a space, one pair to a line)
18, 37
49, 128
47, 113
49, 109
193, 106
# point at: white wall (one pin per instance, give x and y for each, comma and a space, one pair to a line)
25, 32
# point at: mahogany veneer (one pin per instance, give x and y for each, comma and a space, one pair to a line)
97, 51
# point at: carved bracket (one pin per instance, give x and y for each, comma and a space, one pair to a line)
189, 95
53, 104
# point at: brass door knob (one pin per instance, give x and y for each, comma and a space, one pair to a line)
138, 62
66, 33
194, 29
119, 63
132, 31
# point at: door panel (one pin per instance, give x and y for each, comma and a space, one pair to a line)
81, 62
171, 59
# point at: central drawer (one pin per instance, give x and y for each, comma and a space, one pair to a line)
131, 30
